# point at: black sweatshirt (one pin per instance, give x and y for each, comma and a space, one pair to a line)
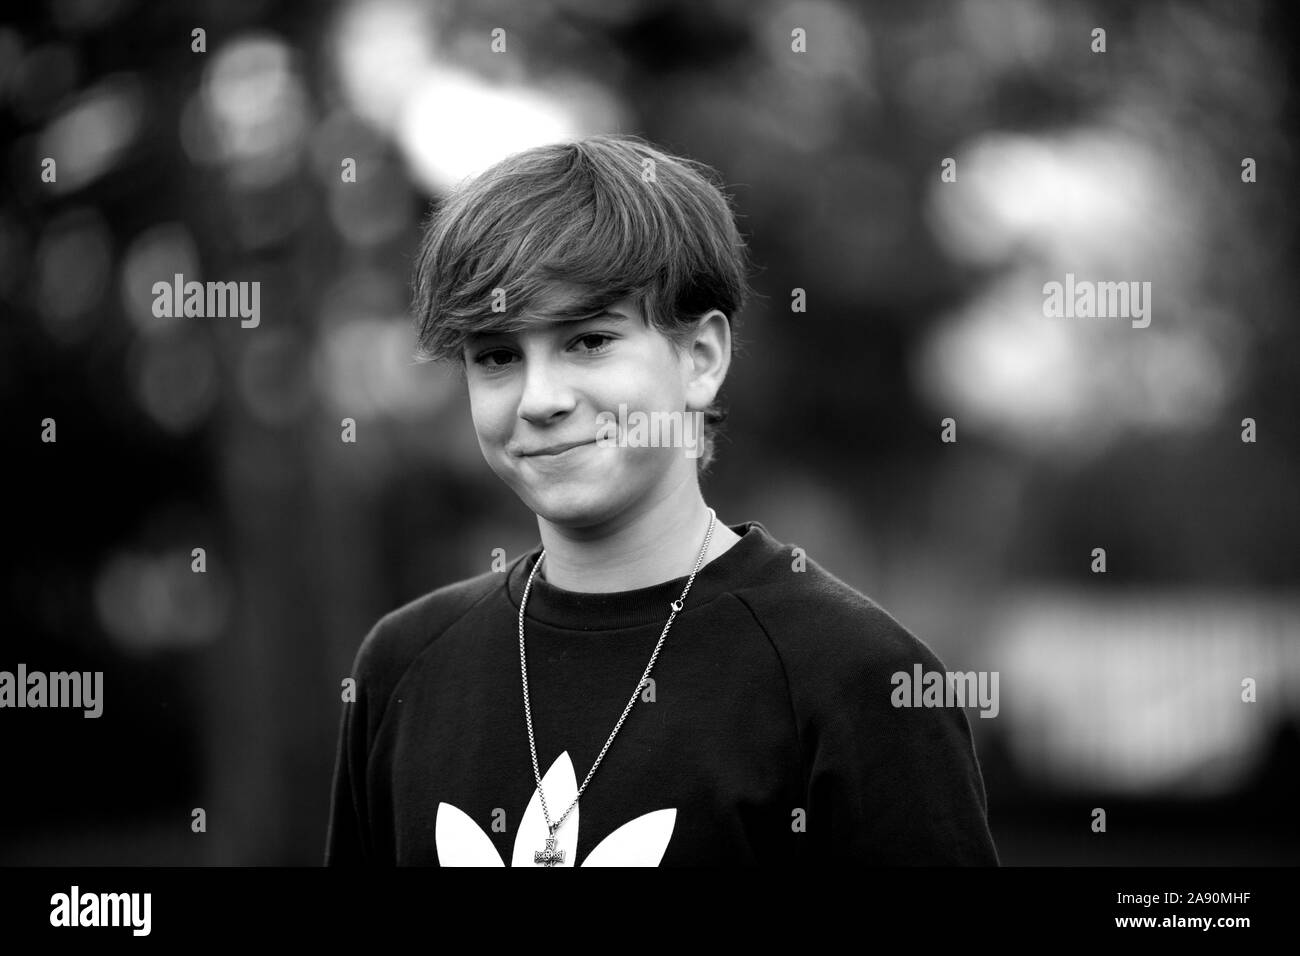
766, 734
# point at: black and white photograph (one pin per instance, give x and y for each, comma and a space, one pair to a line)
785, 435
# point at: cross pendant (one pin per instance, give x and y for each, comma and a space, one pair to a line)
550, 856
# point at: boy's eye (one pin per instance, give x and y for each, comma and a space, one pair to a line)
484, 357
600, 338
590, 343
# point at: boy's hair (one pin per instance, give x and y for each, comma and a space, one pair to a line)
610, 213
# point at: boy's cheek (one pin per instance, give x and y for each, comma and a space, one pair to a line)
491, 430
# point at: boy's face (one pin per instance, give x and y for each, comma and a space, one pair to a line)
536, 395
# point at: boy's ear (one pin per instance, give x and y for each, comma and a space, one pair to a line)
714, 323
711, 357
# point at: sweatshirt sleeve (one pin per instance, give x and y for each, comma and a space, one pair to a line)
892, 786
361, 827
350, 837
346, 838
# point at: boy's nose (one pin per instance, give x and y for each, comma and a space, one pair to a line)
546, 393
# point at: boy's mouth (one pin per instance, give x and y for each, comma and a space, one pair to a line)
552, 451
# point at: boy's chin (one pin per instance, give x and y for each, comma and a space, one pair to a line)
573, 507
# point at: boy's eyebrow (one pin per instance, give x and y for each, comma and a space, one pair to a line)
606, 312
598, 313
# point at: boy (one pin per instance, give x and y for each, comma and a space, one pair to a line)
573, 283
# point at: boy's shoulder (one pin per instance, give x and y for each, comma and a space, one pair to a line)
823, 628
402, 634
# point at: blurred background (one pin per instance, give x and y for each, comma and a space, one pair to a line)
1119, 690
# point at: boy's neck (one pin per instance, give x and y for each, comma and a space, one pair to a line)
659, 544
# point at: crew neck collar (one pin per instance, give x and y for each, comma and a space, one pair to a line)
601, 611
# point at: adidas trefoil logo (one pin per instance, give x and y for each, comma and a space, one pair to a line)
639, 842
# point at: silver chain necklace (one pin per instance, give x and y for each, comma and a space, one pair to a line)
550, 856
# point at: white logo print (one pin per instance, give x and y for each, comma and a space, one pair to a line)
639, 842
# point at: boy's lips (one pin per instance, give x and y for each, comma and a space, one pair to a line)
552, 450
